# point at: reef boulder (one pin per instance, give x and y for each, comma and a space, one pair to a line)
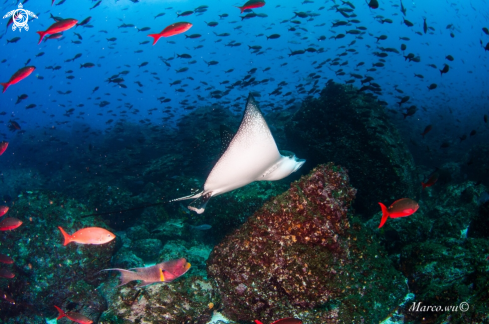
301, 255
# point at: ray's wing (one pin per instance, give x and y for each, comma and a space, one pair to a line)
249, 154
10, 13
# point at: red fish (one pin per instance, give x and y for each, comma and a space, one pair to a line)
89, 235
4, 273
3, 210
427, 130
75, 317
18, 76
161, 272
172, 30
252, 4
9, 224
288, 320
6, 259
3, 147
399, 208
57, 27
432, 179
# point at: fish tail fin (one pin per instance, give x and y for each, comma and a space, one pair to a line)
66, 236
5, 86
405, 115
423, 185
156, 37
258, 322
126, 276
41, 36
240, 8
60, 311
385, 214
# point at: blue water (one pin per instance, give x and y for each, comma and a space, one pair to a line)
462, 89
456, 107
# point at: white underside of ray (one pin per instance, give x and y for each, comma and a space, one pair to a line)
251, 153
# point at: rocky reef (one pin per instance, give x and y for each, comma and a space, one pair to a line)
46, 272
192, 300
353, 130
302, 255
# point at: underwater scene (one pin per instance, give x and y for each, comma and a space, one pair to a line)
244, 162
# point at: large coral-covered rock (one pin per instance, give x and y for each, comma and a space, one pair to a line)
300, 255
353, 130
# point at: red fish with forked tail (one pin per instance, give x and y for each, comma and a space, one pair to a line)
252, 4
57, 27
399, 208
172, 30
18, 76
88, 235
432, 179
288, 320
9, 224
75, 317
3, 147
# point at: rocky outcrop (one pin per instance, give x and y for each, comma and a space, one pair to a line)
300, 255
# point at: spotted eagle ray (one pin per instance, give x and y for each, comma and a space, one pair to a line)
250, 155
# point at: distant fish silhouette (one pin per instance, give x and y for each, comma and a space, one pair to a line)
251, 155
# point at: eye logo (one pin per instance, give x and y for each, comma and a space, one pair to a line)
19, 18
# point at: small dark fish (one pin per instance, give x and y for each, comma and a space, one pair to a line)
449, 57
408, 23
30, 106
13, 40
273, 36
473, 132
427, 130
160, 15
87, 65
432, 86
410, 111
485, 119
185, 13
445, 69
373, 4
84, 22
425, 26
96, 5
404, 99
485, 30
144, 29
